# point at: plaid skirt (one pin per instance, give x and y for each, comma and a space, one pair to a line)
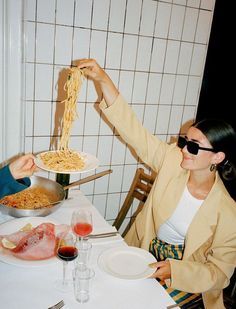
162, 250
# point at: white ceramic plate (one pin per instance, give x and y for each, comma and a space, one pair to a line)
127, 262
91, 162
15, 225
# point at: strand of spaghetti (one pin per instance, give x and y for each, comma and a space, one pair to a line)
72, 87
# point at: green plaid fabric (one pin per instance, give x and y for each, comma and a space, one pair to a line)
162, 250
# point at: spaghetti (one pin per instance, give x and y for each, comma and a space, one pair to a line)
62, 160
72, 87
31, 198
65, 159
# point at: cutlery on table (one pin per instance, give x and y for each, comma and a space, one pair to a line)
58, 305
102, 235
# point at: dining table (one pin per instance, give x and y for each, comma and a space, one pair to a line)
31, 284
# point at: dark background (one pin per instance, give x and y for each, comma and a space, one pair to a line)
217, 94
218, 90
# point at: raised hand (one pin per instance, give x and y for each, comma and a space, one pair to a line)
93, 71
23, 166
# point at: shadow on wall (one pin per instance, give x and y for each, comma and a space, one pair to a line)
60, 107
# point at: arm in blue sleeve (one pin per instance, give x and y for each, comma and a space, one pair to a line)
9, 185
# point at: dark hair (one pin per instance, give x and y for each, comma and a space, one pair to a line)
222, 137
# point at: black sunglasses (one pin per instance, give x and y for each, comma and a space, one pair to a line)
192, 147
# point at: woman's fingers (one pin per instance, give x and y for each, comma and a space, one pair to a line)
163, 270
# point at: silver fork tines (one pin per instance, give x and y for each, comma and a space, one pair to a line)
58, 305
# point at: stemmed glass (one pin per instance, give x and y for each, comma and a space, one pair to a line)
81, 223
66, 251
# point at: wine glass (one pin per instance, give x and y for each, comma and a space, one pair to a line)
66, 251
81, 223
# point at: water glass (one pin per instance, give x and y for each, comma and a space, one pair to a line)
82, 276
84, 252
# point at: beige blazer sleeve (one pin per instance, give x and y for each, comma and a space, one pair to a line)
123, 118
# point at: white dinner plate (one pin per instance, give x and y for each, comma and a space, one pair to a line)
91, 162
14, 226
127, 262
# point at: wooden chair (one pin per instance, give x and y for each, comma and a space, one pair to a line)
139, 190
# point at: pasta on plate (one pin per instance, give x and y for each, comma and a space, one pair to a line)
65, 159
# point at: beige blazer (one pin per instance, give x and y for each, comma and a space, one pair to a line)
210, 246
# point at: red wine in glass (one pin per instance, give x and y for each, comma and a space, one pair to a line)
67, 253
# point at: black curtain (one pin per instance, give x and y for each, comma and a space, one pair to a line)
218, 90
218, 87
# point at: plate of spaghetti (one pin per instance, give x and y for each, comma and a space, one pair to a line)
66, 161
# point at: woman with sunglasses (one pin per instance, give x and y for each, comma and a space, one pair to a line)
189, 219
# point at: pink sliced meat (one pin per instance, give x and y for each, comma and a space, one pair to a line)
39, 243
14, 237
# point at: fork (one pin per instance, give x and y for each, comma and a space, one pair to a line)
102, 235
58, 305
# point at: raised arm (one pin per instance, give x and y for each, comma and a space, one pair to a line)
93, 71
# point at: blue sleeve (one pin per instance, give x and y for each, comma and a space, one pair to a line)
9, 185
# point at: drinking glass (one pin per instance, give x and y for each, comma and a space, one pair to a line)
82, 276
66, 251
81, 223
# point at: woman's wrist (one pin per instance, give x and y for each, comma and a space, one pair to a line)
109, 90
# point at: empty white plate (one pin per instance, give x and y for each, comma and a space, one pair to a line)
127, 262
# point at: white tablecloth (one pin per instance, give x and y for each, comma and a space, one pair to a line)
33, 287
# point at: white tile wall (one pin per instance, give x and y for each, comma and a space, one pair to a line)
176, 22
163, 19
44, 49
83, 13
148, 18
158, 55
153, 50
130, 44
65, 12
190, 22
117, 15
45, 10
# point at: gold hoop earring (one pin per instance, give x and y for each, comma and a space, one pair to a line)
213, 167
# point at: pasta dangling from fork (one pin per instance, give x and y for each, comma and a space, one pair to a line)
65, 159
72, 87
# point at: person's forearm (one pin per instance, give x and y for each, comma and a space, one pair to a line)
109, 90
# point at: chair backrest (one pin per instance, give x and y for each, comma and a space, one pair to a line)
139, 189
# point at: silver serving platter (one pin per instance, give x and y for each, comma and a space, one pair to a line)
46, 183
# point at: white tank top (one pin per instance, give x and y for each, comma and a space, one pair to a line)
174, 230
